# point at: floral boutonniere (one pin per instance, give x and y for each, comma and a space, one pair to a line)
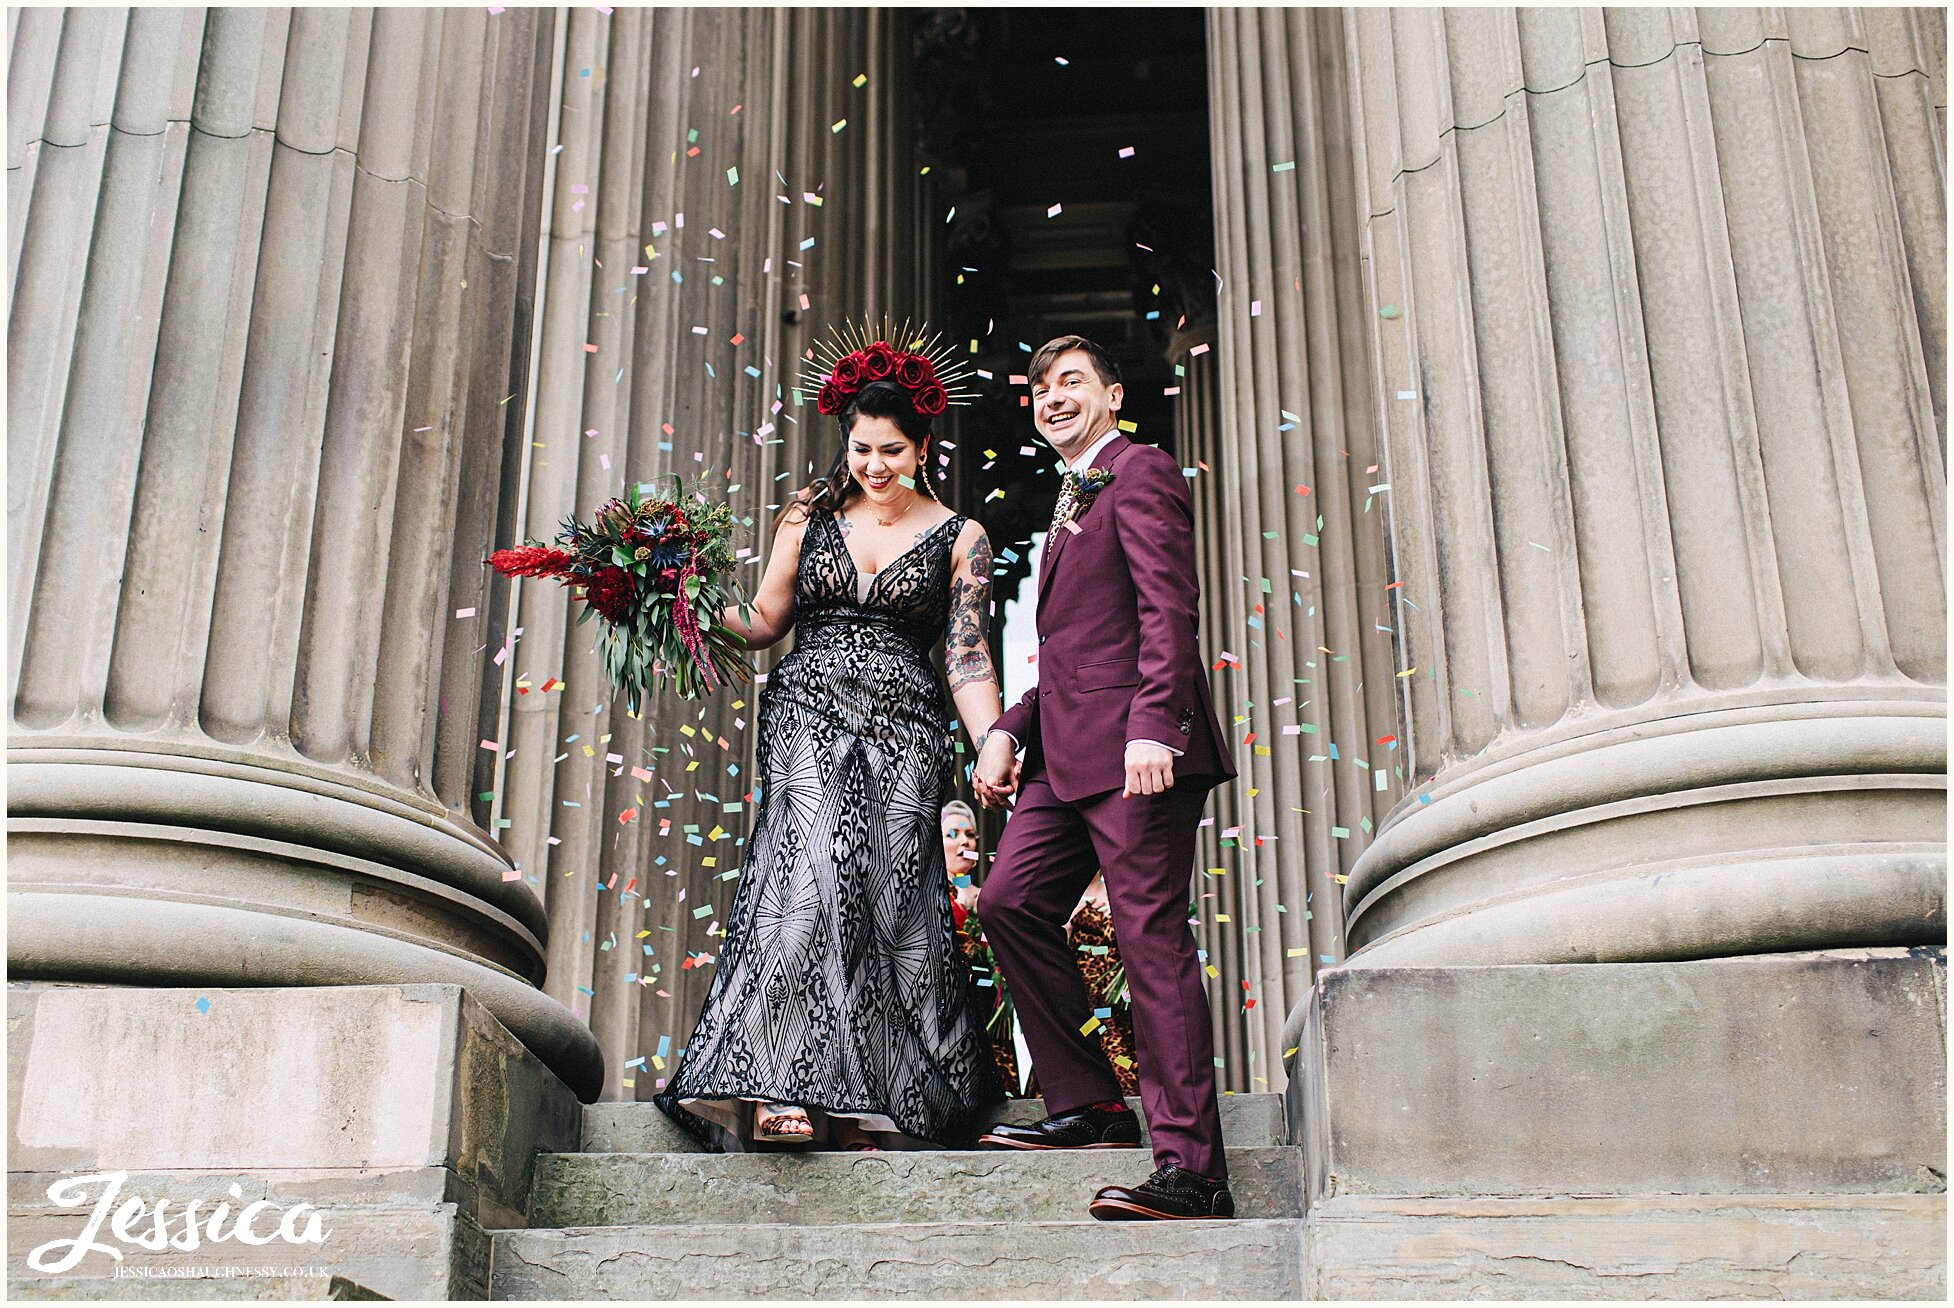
1085, 488
1092, 481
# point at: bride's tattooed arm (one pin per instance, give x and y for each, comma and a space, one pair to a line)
967, 653
968, 647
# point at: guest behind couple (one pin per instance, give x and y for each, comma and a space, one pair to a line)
1095, 950
960, 854
840, 1014
989, 995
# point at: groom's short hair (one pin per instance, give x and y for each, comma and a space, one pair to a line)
1047, 355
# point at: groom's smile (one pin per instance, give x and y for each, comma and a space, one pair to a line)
1071, 405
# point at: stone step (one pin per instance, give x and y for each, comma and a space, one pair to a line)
1238, 1260
198, 1289
825, 1189
1247, 1122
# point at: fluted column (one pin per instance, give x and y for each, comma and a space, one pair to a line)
1658, 325
703, 231
267, 319
1221, 861
1298, 507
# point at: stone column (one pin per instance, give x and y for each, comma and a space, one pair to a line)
678, 245
1216, 892
1657, 300
269, 278
1296, 505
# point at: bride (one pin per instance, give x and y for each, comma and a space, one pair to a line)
840, 1014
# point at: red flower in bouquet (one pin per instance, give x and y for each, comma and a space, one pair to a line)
878, 361
610, 592
656, 566
932, 400
848, 372
913, 371
532, 561
833, 400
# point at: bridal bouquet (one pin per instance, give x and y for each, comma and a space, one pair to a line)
656, 568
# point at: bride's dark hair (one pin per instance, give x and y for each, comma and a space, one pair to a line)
837, 490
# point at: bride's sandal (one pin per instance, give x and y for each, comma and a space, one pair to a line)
787, 1123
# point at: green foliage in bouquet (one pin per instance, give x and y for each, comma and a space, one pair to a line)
982, 963
655, 566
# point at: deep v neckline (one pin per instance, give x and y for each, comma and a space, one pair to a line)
855, 568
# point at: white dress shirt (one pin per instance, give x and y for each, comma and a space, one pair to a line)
1079, 465
1084, 461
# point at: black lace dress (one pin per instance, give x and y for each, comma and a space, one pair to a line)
840, 986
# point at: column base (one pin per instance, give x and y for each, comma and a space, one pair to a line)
1722, 831
197, 866
1737, 1127
1633, 1247
1787, 1073
405, 1116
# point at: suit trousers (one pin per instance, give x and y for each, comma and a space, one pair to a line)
1145, 845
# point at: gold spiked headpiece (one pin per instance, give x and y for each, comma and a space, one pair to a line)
914, 358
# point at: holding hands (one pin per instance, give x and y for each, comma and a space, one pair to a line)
996, 776
1149, 770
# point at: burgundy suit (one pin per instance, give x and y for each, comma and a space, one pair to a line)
1118, 660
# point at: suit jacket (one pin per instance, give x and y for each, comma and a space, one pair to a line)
1118, 637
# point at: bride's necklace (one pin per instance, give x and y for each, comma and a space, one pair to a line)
881, 521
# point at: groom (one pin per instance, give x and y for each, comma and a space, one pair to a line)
1121, 749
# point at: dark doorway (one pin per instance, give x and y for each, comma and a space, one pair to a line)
1102, 113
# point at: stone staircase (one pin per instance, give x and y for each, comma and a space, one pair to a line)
643, 1213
